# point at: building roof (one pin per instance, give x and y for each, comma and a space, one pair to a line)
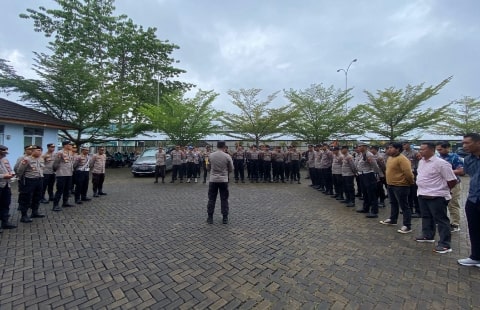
11, 112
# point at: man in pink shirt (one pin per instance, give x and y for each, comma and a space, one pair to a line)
435, 179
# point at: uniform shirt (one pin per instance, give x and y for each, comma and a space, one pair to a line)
348, 166
412, 156
253, 155
399, 171
432, 177
337, 164
97, 163
30, 168
326, 160
367, 163
176, 157
82, 163
238, 155
220, 165
318, 159
311, 158
472, 168
278, 157
190, 158
5, 168
48, 159
380, 158
266, 156
294, 155
63, 163
160, 158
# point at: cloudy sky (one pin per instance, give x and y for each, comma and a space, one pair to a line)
279, 44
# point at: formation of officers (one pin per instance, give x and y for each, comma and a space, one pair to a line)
261, 164
37, 173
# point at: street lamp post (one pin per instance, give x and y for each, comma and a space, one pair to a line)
346, 81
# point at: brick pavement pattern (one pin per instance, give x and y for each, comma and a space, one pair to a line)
287, 246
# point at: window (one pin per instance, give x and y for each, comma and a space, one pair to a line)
32, 136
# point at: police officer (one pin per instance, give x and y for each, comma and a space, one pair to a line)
82, 175
6, 174
266, 158
367, 167
349, 170
278, 165
160, 164
97, 166
310, 158
177, 156
337, 173
239, 164
253, 159
326, 169
63, 167
48, 173
205, 162
294, 158
30, 184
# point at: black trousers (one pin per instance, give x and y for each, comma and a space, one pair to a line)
368, 183
319, 180
29, 194
349, 188
313, 175
175, 172
82, 178
213, 189
338, 184
278, 170
294, 170
191, 173
63, 189
239, 169
472, 210
254, 169
97, 182
327, 179
48, 183
5, 200
160, 172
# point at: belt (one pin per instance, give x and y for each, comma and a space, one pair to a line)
365, 172
428, 197
39, 178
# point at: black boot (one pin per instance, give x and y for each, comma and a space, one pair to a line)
36, 214
210, 219
225, 219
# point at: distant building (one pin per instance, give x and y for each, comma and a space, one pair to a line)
21, 126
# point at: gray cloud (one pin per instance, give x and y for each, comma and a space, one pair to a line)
282, 44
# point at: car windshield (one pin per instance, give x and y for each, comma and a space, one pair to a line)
149, 153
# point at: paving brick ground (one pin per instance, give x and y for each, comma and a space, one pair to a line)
287, 246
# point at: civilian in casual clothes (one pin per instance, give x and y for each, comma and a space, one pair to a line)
471, 144
443, 150
435, 179
399, 178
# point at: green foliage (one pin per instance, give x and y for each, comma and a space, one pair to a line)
183, 120
319, 114
397, 112
256, 121
462, 117
101, 69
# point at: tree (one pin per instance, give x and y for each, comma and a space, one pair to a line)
256, 121
183, 120
101, 69
462, 118
397, 112
319, 114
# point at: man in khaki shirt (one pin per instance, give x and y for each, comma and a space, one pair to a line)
399, 177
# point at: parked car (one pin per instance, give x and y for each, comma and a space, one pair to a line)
145, 163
